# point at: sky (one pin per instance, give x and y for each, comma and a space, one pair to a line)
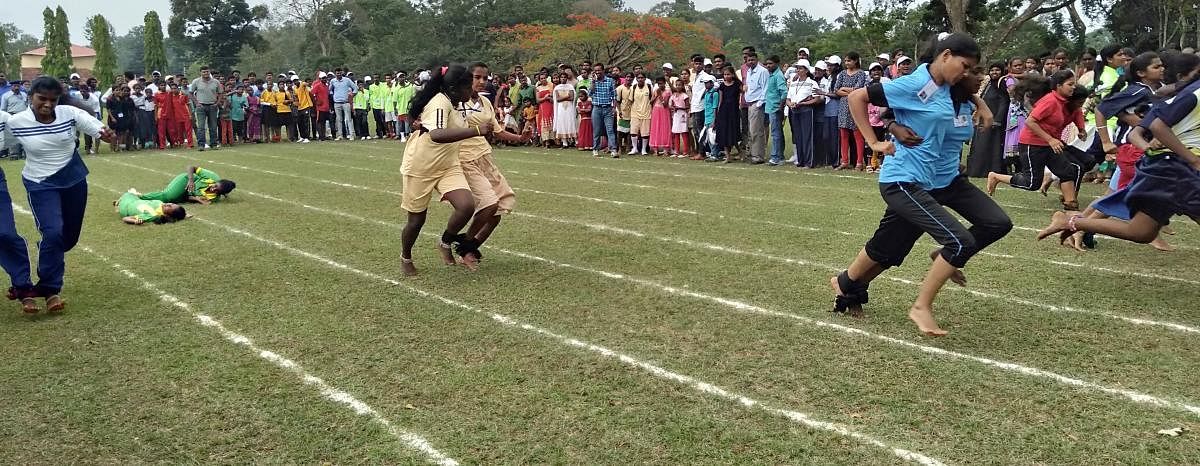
28, 16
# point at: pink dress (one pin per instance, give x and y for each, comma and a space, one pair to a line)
679, 112
660, 122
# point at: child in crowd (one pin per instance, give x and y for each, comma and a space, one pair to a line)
121, 118
504, 112
253, 119
680, 105
530, 124
162, 116
660, 118
146, 127
237, 113
224, 115
874, 115
584, 107
180, 130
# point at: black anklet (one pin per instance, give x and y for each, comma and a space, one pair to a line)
854, 294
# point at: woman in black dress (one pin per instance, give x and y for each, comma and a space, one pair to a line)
987, 149
729, 123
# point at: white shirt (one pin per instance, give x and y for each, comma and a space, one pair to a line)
698, 91
824, 83
50, 147
153, 87
799, 91
93, 102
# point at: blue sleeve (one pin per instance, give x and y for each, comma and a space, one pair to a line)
902, 93
1115, 104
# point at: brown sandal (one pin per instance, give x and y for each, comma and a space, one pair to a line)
55, 304
30, 306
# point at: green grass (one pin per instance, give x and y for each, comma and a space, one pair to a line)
605, 252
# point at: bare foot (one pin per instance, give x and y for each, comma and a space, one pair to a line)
1166, 230
55, 304
471, 261
1059, 222
958, 278
925, 323
991, 183
447, 253
1161, 245
408, 268
855, 311
1073, 240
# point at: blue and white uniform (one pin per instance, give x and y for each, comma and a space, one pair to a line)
14, 254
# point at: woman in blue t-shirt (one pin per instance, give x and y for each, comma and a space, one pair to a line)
921, 180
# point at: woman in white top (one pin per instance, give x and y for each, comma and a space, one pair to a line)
801, 97
566, 124
55, 178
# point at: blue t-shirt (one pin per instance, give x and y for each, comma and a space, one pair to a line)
1181, 113
928, 109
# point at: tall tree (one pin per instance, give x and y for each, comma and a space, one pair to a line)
56, 62
154, 53
620, 39
17, 43
4, 55
215, 30
100, 35
63, 33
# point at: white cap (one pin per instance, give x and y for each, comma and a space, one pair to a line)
884, 56
320, 74
668, 66
833, 60
708, 78
821, 65
74, 75
803, 63
424, 76
156, 73
805, 50
707, 61
368, 78
875, 65
903, 59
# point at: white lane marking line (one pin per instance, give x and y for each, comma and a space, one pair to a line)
696, 384
687, 212
835, 269
738, 305
411, 441
722, 216
1015, 300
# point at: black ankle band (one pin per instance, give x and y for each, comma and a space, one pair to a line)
854, 294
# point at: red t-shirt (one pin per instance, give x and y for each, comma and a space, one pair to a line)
162, 101
179, 107
1051, 114
320, 94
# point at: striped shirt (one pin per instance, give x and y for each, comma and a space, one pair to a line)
602, 91
50, 147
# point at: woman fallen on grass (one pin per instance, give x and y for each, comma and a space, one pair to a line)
195, 185
55, 179
136, 211
431, 162
490, 190
920, 181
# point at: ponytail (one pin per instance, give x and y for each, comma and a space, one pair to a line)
1140, 63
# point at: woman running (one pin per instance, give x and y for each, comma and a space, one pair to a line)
1167, 182
490, 190
137, 211
919, 182
431, 163
195, 185
55, 178
1041, 146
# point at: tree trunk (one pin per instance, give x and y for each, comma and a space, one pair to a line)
957, 11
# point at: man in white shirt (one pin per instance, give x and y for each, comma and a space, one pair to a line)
755, 89
697, 102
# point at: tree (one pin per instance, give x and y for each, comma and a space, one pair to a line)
5, 59
63, 33
57, 61
1034, 9
621, 39
99, 34
215, 30
154, 53
130, 49
16, 43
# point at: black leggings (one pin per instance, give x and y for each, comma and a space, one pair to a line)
1035, 159
912, 211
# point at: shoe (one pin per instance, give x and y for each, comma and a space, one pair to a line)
792, 160
303, 141
403, 139
616, 155
218, 146
201, 149
633, 152
756, 160
595, 153
773, 163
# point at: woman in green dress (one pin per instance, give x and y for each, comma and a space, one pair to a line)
195, 185
136, 211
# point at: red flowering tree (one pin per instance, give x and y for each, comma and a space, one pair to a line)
617, 39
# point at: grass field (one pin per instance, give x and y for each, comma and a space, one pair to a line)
631, 311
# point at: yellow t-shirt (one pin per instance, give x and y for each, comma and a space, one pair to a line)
624, 101
641, 102
303, 98
479, 113
425, 158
